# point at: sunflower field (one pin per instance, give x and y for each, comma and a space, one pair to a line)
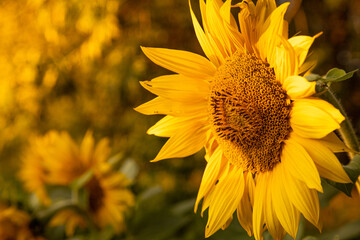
255, 108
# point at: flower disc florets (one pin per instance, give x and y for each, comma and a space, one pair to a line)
249, 112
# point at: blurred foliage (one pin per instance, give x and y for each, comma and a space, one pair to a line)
74, 65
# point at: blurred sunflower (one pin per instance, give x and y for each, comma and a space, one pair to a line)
108, 201
55, 159
14, 224
267, 139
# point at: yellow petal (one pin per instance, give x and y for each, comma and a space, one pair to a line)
272, 28
231, 28
210, 176
203, 15
298, 87
259, 202
178, 88
300, 165
304, 199
217, 28
334, 143
251, 187
246, 23
301, 45
325, 106
169, 125
227, 223
225, 12
226, 197
208, 199
314, 118
284, 61
328, 165
87, 147
218, 51
185, 142
271, 219
287, 214
211, 145
102, 151
268, 5
203, 40
244, 209
182, 62
164, 106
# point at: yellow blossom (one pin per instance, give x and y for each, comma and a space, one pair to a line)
267, 138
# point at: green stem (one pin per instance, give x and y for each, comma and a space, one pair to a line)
301, 230
346, 130
56, 207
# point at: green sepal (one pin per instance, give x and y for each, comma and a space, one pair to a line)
321, 87
313, 77
353, 171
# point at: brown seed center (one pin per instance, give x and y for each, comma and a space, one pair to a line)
249, 112
96, 195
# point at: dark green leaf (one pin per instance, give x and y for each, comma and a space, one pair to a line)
328, 194
343, 187
353, 171
353, 168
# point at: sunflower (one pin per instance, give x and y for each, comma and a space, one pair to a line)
268, 139
108, 201
15, 224
55, 159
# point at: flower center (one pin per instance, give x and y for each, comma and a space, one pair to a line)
96, 194
249, 112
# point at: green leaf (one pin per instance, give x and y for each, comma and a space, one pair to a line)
49, 212
333, 75
353, 168
337, 75
353, 171
313, 77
